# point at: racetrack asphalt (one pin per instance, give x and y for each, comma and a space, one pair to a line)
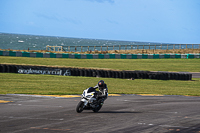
125, 113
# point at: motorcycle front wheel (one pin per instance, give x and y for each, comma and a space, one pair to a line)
79, 107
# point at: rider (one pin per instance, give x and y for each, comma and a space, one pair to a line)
103, 91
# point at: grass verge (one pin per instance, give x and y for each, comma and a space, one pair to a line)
174, 65
61, 85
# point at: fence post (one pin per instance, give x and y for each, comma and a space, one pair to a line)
125, 47
101, 48
143, 47
149, 47
113, 47
186, 46
119, 47
167, 46
137, 47
94, 48
155, 47
107, 48
131, 47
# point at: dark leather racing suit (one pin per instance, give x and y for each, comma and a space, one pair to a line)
102, 93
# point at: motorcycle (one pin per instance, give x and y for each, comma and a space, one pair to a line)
89, 101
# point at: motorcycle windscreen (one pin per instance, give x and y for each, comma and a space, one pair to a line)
91, 89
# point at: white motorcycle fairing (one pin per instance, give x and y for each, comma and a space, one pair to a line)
89, 101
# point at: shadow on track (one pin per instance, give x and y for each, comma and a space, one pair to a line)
118, 112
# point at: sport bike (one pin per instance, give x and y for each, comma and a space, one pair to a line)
89, 101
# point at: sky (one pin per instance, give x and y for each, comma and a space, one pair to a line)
162, 21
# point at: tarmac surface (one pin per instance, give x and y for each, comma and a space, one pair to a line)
125, 113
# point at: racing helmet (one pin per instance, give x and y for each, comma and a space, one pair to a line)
101, 84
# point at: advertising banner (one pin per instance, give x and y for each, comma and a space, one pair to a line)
49, 71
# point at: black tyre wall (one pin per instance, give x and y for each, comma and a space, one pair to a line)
1, 68
104, 73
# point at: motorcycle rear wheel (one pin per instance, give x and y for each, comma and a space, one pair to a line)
79, 107
97, 109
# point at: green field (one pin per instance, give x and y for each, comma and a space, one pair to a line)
60, 85
183, 65
49, 84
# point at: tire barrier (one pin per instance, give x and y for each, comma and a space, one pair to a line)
65, 71
98, 56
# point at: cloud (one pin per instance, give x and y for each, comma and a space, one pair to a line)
112, 21
74, 21
48, 17
57, 18
102, 1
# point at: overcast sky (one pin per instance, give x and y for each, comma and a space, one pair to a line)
164, 21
